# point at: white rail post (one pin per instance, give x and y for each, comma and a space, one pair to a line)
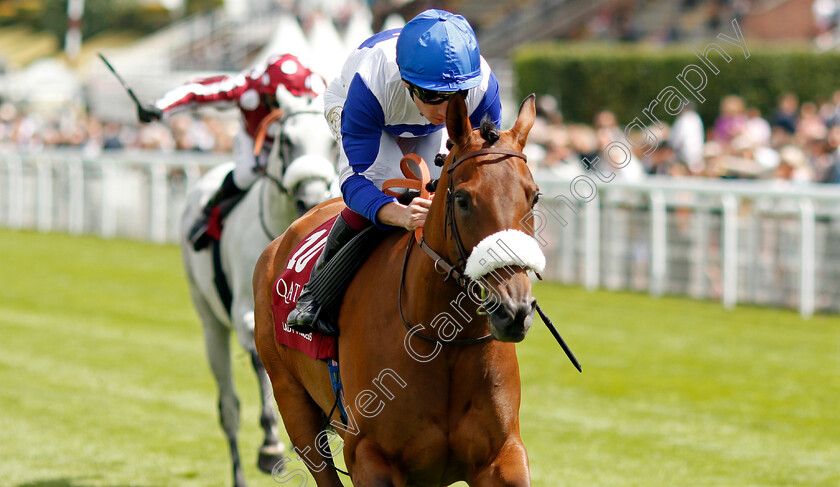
616, 230
730, 250
192, 174
158, 205
45, 195
592, 251
659, 243
15, 192
108, 221
75, 197
699, 247
807, 257
568, 261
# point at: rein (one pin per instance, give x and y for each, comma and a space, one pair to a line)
441, 265
259, 142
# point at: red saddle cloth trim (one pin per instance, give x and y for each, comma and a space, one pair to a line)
214, 224
287, 289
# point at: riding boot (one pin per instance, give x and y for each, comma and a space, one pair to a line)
228, 191
306, 316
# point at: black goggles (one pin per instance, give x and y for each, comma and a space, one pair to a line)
430, 97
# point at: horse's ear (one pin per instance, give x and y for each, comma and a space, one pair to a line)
525, 119
457, 121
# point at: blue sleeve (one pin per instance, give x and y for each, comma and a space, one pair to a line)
362, 123
490, 105
363, 197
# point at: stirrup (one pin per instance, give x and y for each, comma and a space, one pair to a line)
316, 323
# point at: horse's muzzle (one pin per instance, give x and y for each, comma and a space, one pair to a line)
510, 320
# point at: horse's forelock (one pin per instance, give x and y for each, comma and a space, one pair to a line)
489, 131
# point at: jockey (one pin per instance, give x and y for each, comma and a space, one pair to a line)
391, 100
254, 92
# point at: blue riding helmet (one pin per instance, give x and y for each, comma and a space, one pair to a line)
438, 51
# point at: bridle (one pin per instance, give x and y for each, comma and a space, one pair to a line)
282, 153
451, 225
441, 264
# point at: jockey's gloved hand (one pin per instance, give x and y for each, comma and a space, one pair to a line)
149, 113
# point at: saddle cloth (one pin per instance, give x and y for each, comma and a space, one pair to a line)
288, 287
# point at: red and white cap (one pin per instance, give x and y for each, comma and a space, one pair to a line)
287, 70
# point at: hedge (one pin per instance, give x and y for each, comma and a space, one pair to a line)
586, 78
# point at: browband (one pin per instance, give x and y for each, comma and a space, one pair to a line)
488, 150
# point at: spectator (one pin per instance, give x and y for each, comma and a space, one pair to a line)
732, 120
785, 115
793, 166
757, 128
810, 126
686, 138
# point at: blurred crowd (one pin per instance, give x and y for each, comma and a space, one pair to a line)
798, 142
34, 131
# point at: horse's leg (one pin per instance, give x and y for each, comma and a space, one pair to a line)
271, 451
371, 468
217, 345
301, 415
508, 469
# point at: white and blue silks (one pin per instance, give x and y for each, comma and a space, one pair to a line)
372, 114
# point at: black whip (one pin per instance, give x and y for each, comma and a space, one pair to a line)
559, 339
122, 81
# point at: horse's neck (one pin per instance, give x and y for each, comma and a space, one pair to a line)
277, 208
435, 301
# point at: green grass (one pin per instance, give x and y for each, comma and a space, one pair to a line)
103, 382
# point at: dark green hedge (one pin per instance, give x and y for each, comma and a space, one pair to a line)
99, 16
587, 78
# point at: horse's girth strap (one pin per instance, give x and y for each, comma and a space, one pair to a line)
411, 181
262, 130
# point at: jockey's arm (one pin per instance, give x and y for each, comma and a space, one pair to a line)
361, 129
219, 91
409, 216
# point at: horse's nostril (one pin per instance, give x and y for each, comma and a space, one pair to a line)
301, 207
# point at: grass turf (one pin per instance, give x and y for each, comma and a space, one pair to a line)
103, 382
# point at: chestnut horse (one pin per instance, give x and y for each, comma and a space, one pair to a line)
431, 381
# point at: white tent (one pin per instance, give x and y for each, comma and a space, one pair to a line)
46, 83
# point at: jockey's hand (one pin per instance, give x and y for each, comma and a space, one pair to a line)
416, 214
149, 113
410, 217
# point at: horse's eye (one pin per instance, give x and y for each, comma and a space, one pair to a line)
463, 201
535, 199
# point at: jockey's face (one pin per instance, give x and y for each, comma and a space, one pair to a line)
271, 101
434, 113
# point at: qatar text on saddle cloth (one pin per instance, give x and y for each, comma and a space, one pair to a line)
287, 289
